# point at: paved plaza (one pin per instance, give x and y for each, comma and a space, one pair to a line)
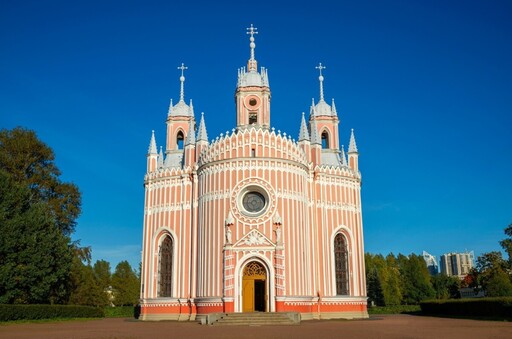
382, 326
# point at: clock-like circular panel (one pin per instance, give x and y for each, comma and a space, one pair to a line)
252, 102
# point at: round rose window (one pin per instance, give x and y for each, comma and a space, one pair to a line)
253, 202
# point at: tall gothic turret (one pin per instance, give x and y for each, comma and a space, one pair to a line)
324, 118
252, 96
180, 120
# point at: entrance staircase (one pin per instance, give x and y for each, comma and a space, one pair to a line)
254, 318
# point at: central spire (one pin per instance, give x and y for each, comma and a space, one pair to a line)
182, 80
252, 64
321, 78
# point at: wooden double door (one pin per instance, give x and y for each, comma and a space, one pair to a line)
254, 288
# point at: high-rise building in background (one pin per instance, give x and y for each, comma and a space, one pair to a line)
431, 263
457, 264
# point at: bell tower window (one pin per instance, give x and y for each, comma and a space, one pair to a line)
179, 140
253, 118
325, 140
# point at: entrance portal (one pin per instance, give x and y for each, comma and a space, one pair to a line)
254, 288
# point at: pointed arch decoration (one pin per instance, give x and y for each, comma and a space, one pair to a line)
165, 267
341, 264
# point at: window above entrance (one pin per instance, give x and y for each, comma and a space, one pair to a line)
253, 201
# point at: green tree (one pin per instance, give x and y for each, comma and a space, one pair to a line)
30, 162
35, 256
102, 273
445, 287
374, 288
37, 216
392, 283
126, 284
506, 243
492, 274
498, 284
86, 289
415, 279
373, 281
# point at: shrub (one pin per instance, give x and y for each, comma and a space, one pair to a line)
500, 307
10, 312
396, 309
119, 312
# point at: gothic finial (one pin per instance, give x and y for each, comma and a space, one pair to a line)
161, 158
229, 219
152, 144
182, 80
343, 156
201, 134
277, 219
352, 147
315, 137
191, 138
252, 61
321, 78
303, 133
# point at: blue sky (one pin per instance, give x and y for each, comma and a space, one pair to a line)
426, 85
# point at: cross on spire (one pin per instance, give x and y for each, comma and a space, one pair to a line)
182, 80
321, 78
252, 31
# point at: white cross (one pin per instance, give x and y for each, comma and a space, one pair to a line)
252, 30
320, 67
183, 68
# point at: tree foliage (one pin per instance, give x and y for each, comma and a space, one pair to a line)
86, 289
393, 288
492, 274
506, 243
373, 282
126, 285
102, 273
37, 216
30, 162
397, 280
446, 287
415, 279
35, 255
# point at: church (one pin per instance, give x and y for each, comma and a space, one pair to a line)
252, 221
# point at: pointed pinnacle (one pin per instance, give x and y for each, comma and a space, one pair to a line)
352, 147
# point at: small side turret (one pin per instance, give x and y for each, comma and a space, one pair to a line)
316, 144
202, 137
190, 148
352, 153
304, 139
152, 156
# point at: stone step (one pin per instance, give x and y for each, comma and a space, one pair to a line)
255, 319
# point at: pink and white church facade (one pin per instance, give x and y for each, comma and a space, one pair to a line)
252, 220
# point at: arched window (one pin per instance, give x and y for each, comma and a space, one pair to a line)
341, 264
179, 140
325, 139
165, 267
